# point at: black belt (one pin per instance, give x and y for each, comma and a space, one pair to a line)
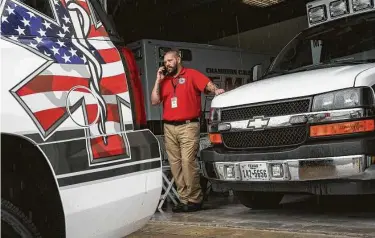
178, 123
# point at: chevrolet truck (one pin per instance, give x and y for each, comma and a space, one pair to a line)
306, 125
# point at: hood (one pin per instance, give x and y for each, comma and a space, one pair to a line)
292, 85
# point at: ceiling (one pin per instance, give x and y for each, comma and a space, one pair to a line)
200, 21
266, 40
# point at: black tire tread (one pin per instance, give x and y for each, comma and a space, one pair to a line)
259, 200
17, 213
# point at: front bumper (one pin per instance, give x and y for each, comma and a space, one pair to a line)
332, 167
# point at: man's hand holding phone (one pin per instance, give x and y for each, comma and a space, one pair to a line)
155, 95
161, 73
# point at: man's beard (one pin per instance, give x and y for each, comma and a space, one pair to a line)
172, 71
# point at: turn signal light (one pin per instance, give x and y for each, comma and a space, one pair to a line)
342, 128
215, 138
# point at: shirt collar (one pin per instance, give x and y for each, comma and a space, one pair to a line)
182, 72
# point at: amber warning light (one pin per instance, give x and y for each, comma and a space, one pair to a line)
215, 138
342, 128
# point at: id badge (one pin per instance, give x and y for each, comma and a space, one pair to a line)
174, 102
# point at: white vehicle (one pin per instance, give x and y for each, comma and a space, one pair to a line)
307, 124
227, 67
74, 162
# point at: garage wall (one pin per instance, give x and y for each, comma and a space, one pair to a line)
270, 39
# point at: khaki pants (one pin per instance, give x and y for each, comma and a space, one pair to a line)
182, 143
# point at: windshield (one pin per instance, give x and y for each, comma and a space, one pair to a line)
345, 41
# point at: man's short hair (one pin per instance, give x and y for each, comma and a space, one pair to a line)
174, 51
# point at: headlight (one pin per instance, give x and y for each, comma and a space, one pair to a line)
317, 14
215, 115
359, 5
338, 8
347, 98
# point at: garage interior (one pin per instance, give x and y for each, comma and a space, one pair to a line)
261, 26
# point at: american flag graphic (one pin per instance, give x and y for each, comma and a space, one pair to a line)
78, 53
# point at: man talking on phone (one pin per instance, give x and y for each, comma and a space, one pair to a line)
179, 90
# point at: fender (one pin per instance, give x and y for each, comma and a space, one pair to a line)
47, 180
30, 141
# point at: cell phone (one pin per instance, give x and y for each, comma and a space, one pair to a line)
165, 71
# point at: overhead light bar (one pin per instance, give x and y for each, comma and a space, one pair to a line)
317, 14
359, 5
339, 8
321, 11
261, 3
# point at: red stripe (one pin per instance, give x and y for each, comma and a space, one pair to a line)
114, 147
92, 112
110, 55
112, 112
85, 6
48, 118
113, 85
97, 32
48, 83
93, 31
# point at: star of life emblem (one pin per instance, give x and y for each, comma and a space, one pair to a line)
77, 52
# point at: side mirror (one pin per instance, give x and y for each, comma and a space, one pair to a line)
257, 72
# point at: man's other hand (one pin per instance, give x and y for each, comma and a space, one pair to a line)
219, 91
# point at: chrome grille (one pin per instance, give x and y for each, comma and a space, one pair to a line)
267, 110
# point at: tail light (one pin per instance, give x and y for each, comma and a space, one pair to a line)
135, 88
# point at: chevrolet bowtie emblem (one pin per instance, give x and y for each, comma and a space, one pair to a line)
258, 123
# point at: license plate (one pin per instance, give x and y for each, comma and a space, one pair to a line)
254, 171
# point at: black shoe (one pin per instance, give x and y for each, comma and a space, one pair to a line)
193, 207
180, 207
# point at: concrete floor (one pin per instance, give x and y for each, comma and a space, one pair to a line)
310, 218
188, 231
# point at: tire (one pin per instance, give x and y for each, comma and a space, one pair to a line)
259, 200
14, 223
204, 185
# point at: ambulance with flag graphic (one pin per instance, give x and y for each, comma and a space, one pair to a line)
76, 161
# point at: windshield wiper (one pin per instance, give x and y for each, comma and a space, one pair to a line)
289, 71
275, 73
349, 61
324, 64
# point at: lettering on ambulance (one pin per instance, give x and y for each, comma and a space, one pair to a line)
77, 52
